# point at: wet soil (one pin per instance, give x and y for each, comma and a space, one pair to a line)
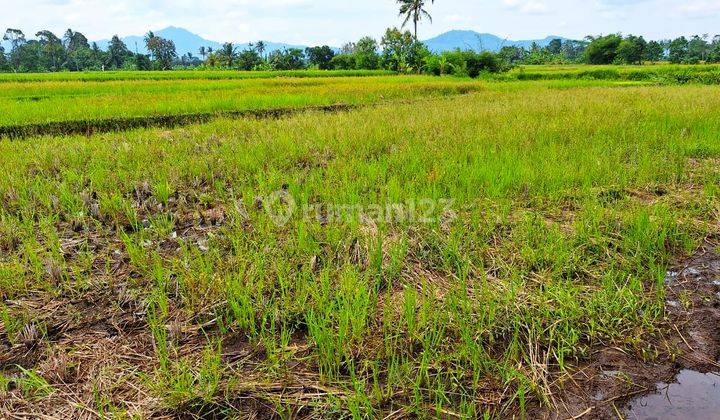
676, 377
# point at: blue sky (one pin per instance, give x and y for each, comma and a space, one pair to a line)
334, 21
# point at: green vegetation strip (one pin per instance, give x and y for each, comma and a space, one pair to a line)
108, 76
663, 74
90, 127
51, 103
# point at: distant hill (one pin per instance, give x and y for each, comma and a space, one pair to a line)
479, 42
187, 42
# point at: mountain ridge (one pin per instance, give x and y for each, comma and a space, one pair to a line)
186, 41
469, 39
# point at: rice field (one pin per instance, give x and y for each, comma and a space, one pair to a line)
450, 249
653, 73
27, 106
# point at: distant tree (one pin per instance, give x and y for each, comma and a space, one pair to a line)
16, 37
77, 50
603, 50
96, 54
249, 59
29, 57
477, 63
161, 50
414, 10
288, 59
573, 51
4, 66
654, 51
227, 54
512, 54
714, 54
73, 41
147, 39
142, 62
260, 47
698, 49
678, 50
52, 50
555, 46
401, 52
347, 48
320, 57
366, 54
631, 50
203, 52
344, 62
117, 53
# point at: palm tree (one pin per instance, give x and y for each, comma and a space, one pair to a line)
414, 10
260, 47
203, 52
229, 53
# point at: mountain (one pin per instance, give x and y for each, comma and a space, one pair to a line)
479, 42
187, 42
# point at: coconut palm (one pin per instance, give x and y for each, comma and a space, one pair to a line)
414, 10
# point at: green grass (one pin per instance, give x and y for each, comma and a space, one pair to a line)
530, 223
182, 75
49, 102
656, 73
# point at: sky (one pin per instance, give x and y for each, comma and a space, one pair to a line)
333, 22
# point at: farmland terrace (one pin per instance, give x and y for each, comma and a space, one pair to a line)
318, 244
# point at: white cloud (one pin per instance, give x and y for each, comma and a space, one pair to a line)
338, 21
527, 6
707, 8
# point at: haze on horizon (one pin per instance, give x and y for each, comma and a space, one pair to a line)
331, 22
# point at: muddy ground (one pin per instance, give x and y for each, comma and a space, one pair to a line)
606, 386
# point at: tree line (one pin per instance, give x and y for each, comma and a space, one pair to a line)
397, 50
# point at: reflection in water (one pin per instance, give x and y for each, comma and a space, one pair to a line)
694, 396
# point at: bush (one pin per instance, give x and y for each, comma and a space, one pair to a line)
343, 62
484, 62
463, 63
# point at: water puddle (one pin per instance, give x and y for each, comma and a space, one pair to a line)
693, 396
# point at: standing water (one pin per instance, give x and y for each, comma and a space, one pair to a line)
694, 396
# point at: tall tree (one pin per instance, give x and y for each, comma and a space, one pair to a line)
320, 56
366, 54
401, 51
632, 49
260, 47
678, 50
3, 59
228, 54
16, 37
654, 51
162, 50
603, 49
117, 53
52, 49
414, 10
149, 38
